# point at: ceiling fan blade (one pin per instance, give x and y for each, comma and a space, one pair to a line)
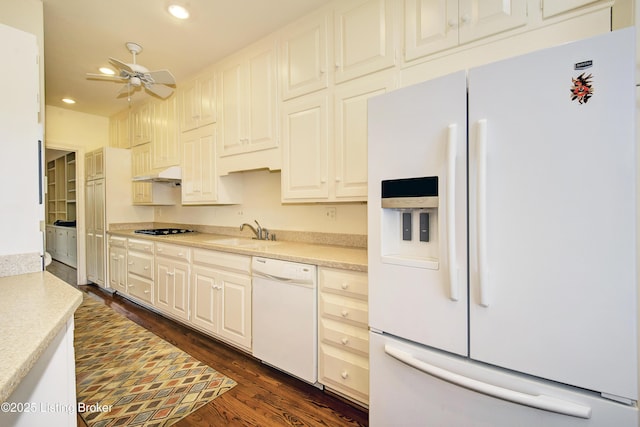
163, 77
121, 65
161, 91
105, 77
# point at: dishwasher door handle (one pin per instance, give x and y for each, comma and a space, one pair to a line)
272, 277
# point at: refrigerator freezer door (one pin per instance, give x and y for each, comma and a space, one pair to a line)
552, 207
405, 391
420, 132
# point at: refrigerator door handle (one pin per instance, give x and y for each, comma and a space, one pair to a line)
451, 210
481, 215
543, 402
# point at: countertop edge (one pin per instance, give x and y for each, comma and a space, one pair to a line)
285, 250
12, 382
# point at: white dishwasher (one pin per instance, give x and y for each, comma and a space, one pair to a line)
285, 316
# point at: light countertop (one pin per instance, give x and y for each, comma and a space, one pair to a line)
34, 308
348, 258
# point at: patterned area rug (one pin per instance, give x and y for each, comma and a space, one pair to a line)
127, 376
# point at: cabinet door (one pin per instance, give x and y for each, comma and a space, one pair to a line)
207, 99
98, 164
90, 230
118, 269
262, 111
204, 299
189, 106
305, 145
482, 18
99, 231
165, 143
235, 308
199, 180
364, 37
141, 165
61, 244
430, 26
142, 118
164, 283
180, 296
305, 56
350, 156
233, 102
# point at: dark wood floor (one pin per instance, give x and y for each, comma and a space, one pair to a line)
263, 397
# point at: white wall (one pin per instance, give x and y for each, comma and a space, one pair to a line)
261, 201
67, 128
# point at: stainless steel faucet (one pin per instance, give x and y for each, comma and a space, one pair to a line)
257, 232
261, 233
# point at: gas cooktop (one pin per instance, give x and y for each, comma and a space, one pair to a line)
163, 231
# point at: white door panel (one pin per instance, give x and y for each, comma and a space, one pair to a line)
408, 138
560, 217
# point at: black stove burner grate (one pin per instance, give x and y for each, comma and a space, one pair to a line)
163, 231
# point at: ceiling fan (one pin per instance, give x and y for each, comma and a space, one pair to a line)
136, 76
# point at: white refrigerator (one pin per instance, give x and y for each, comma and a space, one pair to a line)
503, 286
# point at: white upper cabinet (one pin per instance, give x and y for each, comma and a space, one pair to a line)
304, 59
248, 100
166, 147
142, 118
305, 145
435, 25
349, 171
365, 37
197, 101
555, 7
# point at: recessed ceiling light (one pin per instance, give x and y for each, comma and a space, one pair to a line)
178, 11
106, 70
68, 101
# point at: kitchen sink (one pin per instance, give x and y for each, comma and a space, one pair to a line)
244, 243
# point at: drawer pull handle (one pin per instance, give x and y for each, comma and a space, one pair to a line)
130, 262
170, 273
146, 267
147, 291
345, 313
344, 375
159, 249
344, 341
180, 254
345, 285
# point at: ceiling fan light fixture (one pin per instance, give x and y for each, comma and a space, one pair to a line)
178, 11
106, 70
68, 100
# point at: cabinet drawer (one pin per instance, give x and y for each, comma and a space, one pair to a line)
120, 242
140, 264
140, 245
227, 261
350, 283
344, 336
344, 309
173, 251
140, 288
344, 371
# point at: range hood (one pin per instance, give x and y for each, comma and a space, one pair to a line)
171, 174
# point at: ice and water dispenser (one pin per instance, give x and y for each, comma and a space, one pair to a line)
410, 222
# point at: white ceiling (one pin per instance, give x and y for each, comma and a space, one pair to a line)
80, 36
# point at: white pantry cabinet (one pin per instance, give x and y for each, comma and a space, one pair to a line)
365, 37
305, 56
197, 102
435, 25
248, 100
221, 296
95, 231
343, 360
172, 284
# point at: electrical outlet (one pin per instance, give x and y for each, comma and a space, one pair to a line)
330, 213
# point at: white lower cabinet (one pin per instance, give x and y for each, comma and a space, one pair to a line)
172, 280
118, 264
343, 360
221, 296
62, 244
